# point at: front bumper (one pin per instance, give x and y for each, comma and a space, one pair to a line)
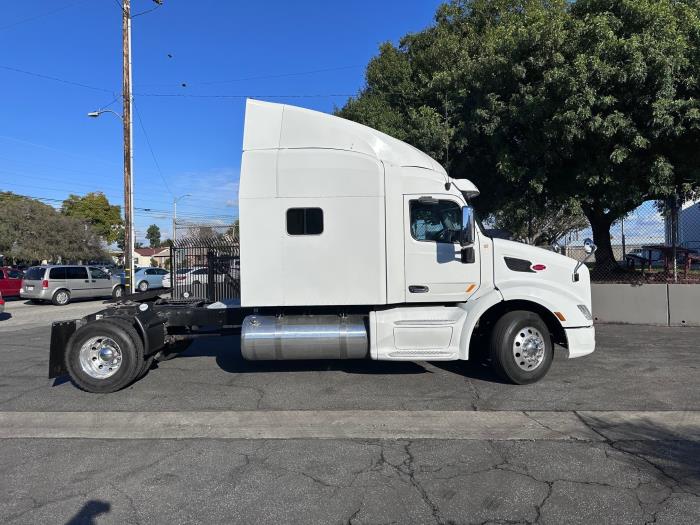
580, 341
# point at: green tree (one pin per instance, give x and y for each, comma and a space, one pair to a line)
153, 236
547, 105
33, 231
96, 210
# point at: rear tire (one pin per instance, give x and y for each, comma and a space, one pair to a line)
143, 286
118, 292
87, 367
521, 347
61, 297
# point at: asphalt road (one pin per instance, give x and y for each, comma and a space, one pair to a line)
208, 437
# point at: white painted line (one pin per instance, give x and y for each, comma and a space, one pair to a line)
382, 424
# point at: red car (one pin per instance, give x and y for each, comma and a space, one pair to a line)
10, 281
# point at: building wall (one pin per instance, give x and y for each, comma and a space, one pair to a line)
689, 226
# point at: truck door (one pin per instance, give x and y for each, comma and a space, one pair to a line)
434, 269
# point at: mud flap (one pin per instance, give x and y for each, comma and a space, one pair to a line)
60, 333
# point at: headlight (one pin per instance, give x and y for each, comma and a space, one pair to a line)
585, 311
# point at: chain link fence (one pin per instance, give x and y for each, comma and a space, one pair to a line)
656, 243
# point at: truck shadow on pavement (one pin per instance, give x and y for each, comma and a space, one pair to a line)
90, 510
5, 316
226, 350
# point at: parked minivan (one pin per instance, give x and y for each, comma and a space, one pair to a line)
59, 284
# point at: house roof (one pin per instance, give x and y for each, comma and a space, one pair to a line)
150, 252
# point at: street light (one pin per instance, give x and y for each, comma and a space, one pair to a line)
128, 199
95, 114
175, 199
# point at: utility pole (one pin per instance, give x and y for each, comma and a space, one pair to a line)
128, 153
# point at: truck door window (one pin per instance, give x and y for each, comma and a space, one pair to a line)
304, 221
438, 221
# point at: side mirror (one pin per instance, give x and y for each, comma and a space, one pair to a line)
588, 246
467, 234
590, 249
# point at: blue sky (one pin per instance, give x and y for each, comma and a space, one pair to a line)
50, 148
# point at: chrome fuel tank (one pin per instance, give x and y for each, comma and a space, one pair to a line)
304, 337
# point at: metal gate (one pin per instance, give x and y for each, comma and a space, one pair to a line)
206, 268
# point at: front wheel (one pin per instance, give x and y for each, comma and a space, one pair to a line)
118, 292
521, 348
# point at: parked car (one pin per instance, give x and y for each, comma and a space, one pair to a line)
198, 275
10, 281
147, 278
167, 279
62, 283
640, 258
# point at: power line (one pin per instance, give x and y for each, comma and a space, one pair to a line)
242, 96
55, 79
190, 215
111, 188
41, 15
265, 77
148, 141
174, 95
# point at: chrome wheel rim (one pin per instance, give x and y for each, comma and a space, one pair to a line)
143, 286
528, 348
100, 357
118, 292
61, 297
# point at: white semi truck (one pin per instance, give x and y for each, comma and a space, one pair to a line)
353, 245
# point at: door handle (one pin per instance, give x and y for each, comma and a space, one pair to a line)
418, 289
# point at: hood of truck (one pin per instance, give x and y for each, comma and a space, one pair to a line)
523, 272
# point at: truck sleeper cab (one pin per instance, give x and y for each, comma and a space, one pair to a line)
353, 245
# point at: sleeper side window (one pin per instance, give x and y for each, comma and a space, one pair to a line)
436, 221
304, 221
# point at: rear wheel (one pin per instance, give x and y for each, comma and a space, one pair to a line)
61, 298
104, 356
143, 286
521, 348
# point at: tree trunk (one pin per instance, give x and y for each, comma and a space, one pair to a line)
604, 257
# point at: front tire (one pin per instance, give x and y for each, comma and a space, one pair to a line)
521, 347
61, 298
104, 356
118, 292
